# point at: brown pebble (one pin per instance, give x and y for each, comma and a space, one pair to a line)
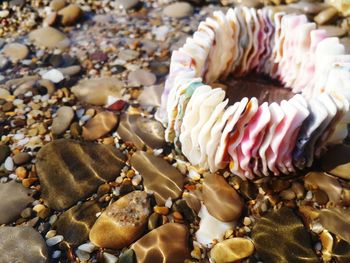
21, 158
21, 172
177, 216
103, 189
27, 182
57, 5
99, 125
8, 106
326, 16
70, 14
321, 197
162, 210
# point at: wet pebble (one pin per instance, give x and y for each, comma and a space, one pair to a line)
99, 125
221, 200
232, 250
126, 4
53, 75
22, 244
122, 222
167, 243
326, 16
337, 221
159, 177
63, 119
333, 31
93, 164
128, 54
336, 161
57, 5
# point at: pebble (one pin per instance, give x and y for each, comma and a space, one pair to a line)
167, 243
52, 241
122, 222
141, 77
76, 223
63, 119
50, 19
4, 94
49, 37
336, 221
247, 3
326, 15
11, 205
127, 256
281, 236
178, 10
128, 54
96, 91
48, 85
210, 228
93, 164
8, 106
101, 124
9, 165
57, 5
53, 75
71, 70
4, 152
159, 177
232, 250
70, 14
22, 244
15, 51
141, 131
109, 258
221, 200
126, 4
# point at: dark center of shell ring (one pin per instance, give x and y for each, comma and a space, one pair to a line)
263, 132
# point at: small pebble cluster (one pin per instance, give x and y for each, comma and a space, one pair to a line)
86, 174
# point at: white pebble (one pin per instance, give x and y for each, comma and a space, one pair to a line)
87, 247
308, 195
109, 258
136, 180
54, 240
157, 152
168, 203
54, 75
82, 255
18, 136
9, 164
192, 174
317, 228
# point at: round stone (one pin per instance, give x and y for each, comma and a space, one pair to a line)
49, 37
232, 250
70, 14
57, 5
61, 122
122, 222
15, 51
178, 10
99, 125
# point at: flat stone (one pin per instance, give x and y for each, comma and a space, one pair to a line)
14, 198
141, 77
96, 91
101, 124
222, 200
53, 75
326, 16
159, 176
49, 37
122, 222
141, 131
4, 152
280, 236
151, 95
178, 10
22, 244
57, 5
70, 14
167, 243
71, 70
336, 161
70, 171
21, 158
232, 250
75, 223
126, 4
63, 119
337, 221
15, 51
325, 182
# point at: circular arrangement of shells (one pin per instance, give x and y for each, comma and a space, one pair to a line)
254, 135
